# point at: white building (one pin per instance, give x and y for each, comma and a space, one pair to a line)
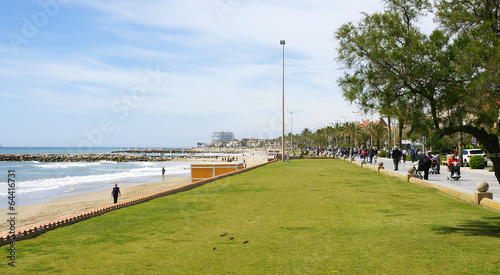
221, 136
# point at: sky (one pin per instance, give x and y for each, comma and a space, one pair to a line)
162, 73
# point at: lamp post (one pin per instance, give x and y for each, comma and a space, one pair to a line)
286, 125
291, 131
355, 127
282, 42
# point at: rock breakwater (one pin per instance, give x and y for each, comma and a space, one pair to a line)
80, 157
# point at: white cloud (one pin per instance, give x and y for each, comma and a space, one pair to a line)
218, 71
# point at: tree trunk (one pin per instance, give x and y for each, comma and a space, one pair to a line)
400, 132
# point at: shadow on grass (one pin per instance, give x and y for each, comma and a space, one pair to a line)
488, 227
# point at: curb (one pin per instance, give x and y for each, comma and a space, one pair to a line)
32, 232
465, 196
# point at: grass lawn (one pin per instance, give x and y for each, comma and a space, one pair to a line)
301, 217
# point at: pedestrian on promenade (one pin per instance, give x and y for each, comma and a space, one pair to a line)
163, 172
404, 155
438, 163
413, 155
396, 157
116, 192
363, 154
424, 164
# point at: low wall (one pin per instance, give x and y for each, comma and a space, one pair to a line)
493, 204
33, 232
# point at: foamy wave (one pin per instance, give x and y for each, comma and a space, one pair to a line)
62, 165
146, 170
108, 161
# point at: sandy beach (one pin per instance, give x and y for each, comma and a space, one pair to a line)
33, 215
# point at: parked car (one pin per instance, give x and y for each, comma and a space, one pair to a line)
468, 153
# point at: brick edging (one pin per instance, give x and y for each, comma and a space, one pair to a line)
32, 232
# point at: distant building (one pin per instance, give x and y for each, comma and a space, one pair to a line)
235, 143
221, 136
250, 142
366, 123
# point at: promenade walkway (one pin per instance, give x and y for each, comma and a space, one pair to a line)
467, 183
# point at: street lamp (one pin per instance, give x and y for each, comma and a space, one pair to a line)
291, 131
282, 42
286, 125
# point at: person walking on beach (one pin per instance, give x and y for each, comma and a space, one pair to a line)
116, 192
163, 172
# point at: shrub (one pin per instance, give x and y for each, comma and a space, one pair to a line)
382, 154
476, 162
441, 158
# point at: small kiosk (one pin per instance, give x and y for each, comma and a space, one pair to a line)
205, 170
272, 154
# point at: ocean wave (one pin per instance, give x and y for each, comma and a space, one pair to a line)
63, 165
107, 161
51, 184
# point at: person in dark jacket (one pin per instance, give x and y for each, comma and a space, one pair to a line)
413, 155
115, 192
396, 157
424, 164
371, 153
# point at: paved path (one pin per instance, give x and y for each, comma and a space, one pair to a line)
467, 183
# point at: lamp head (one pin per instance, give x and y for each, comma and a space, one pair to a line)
282, 42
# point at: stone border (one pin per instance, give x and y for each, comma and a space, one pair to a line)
32, 232
489, 203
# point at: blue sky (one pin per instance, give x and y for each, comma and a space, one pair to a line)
167, 73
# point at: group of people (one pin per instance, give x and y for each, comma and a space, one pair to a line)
424, 161
368, 154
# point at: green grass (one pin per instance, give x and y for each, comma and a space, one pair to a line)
301, 217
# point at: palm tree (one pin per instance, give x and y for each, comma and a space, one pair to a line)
378, 132
330, 132
350, 130
337, 131
306, 136
364, 136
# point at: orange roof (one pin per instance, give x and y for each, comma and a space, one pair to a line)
365, 123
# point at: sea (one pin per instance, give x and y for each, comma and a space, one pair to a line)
38, 182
